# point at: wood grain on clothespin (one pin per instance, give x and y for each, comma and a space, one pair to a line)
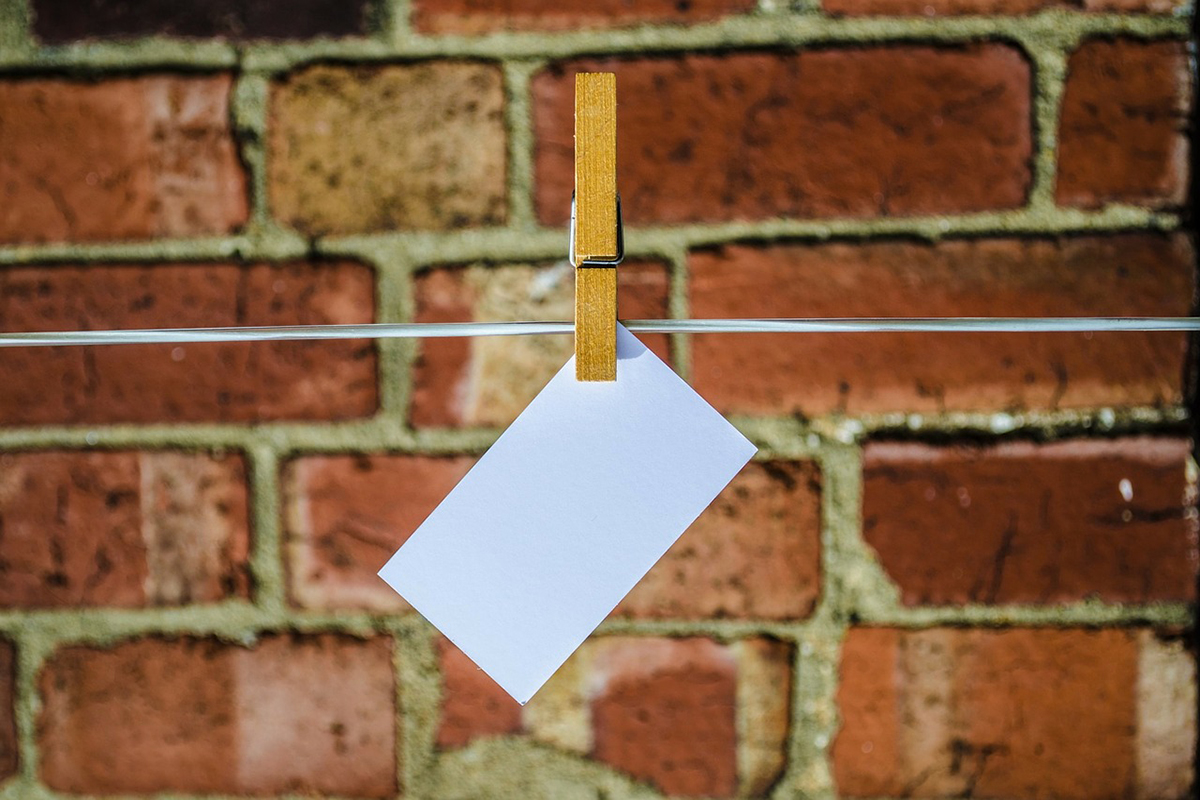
595, 226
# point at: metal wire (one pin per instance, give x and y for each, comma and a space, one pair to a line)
429, 330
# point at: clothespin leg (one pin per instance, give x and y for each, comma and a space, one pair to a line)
595, 241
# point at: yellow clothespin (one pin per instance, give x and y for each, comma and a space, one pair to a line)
596, 239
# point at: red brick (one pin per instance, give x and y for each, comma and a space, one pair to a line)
59, 21
1013, 713
1123, 133
812, 374
667, 715
226, 382
346, 515
484, 16
665, 711
845, 132
931, 8
1027, 523
8, 721
125, 158
754, 554
358, 149
473, 705
486, 381
122, 529
293, 714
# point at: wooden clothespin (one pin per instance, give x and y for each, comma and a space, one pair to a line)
596, 239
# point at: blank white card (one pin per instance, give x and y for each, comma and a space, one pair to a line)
564, 514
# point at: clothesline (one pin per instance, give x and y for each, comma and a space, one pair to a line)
428, 330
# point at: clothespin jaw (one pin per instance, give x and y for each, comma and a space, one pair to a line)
597, 244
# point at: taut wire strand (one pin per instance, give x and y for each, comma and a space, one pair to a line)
430, 330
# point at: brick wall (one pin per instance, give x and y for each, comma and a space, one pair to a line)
962, 565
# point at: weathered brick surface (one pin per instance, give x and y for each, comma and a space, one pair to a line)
292, 714
56, 21
753, 554
490, 380
413, 146
483, 16
665, 711
1070, 714
1123, 133
8, 722
846, 132
124, 158
1126, 275
121, 529
228, 382
1026, 523
930, 8
345, 516
473, 706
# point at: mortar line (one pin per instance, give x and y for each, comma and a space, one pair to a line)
500, 245
753, 31
248, 112
777, 435
814, 719
30, 653
518, 119
420, 689
813, 710
1050, 75
235, 621
394, 303
267, 559
16, 29
678, 280
398, 20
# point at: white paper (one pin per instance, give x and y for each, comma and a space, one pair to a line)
583, 493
